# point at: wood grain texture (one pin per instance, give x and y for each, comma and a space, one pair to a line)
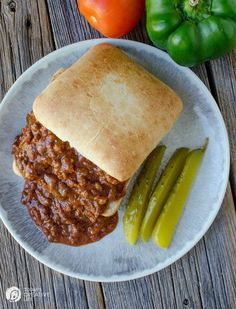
95, 296
205, 277
223, 83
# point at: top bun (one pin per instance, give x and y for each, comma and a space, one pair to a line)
110, 109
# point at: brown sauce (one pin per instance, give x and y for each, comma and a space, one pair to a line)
64, 192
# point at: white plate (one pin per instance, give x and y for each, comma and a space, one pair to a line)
112, 259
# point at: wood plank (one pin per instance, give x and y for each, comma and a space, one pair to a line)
12, 266
221, 252
19, 50
94, 295
191, 282
222, 73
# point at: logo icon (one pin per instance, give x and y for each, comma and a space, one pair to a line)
13, 294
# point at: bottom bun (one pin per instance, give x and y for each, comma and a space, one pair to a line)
112, 208
15, 168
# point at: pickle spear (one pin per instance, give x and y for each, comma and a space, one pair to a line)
137, 203
161, 192
172, 210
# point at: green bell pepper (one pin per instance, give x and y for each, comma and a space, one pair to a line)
192, 31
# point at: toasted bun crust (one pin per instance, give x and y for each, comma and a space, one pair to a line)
112, 208
110, 109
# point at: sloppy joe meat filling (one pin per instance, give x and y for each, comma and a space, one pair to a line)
64, 192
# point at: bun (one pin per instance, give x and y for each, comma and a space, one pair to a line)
110, 109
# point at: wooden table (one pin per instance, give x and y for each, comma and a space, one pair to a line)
203, 278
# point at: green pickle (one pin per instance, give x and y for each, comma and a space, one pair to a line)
172, 210
162, 190
138, 200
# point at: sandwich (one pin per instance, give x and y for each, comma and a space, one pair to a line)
89, 132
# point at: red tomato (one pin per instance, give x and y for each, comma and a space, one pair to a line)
113, 18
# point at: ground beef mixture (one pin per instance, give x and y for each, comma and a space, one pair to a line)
65, 193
